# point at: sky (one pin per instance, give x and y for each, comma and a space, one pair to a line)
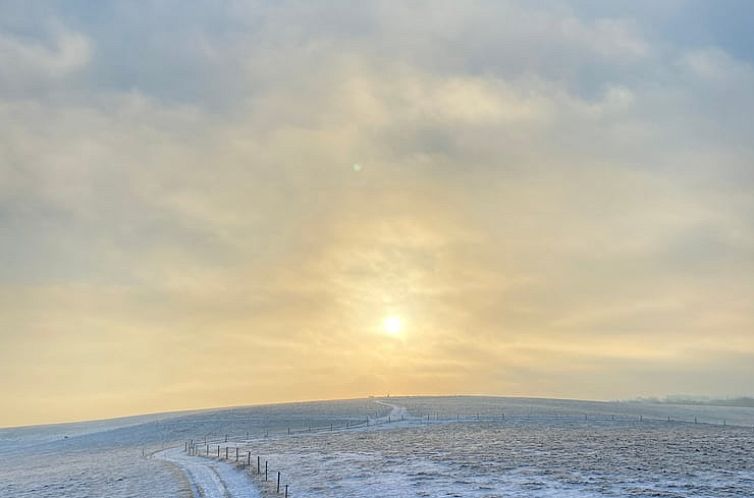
248, 202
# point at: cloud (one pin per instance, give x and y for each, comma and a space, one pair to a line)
37, 64
547, 196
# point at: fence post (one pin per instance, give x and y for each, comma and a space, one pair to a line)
226, 452
265, 470
258, 465
226, 438
236, 453
207, 449
248, 460
218, 451
278, 488
286, 491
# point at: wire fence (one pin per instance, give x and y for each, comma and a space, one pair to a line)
237, 449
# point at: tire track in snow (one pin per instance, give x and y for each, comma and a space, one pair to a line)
210, 478
397, 412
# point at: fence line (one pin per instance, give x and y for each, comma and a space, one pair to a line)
195, 447
438, 419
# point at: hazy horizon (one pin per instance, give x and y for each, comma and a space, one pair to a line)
257, 202
668, 399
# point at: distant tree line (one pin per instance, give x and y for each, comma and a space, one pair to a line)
744, 401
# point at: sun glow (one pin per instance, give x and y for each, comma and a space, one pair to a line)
392, 325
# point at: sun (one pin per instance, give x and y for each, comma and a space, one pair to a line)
392, 325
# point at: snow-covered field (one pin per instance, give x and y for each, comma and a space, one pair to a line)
469, 447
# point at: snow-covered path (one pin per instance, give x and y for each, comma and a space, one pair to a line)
397, 412
210, 478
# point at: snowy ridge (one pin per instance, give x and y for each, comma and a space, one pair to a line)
465, 447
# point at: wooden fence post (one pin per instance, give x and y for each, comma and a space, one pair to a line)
265, 470
278, 488
258, 465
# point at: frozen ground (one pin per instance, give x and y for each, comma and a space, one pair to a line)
470, 447
520, 460
210, 478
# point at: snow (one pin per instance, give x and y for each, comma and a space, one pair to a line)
211, 478
476, 447
397, 412
518, 460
